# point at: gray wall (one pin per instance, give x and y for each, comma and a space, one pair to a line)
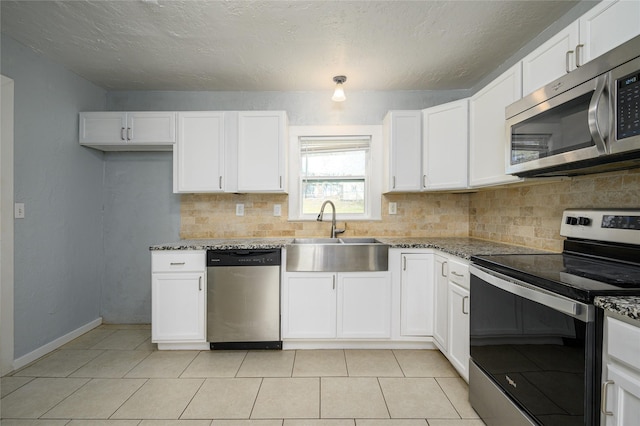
139, 210
58, 246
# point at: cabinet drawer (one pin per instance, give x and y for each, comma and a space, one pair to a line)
623, 342
459, 273
178, 261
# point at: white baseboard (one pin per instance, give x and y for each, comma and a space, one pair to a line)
291, 344
52, 346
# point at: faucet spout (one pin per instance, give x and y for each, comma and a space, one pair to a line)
334, 231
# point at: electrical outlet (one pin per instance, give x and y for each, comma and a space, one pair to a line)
393, 208
277, 209
239, 209
18, 212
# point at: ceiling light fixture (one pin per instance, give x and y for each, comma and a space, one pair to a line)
338, 94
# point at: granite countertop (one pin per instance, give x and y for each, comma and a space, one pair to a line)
627, 306
461, 247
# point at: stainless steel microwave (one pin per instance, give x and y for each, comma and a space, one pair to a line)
587, 121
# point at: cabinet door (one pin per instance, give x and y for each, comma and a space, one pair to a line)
488, 131
104, 128
445, 146
607, 25
551, 60
261, 151
309, 305
178, 307
416, 289
459, 329
441, 308
198, 157
364, 305
151, 127
622, 396
402, 131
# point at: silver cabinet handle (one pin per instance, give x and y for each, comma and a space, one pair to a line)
177, 263
280, 182
457, 274
442, 265
220, 182
579, 49
465, 298
129, 133
603, 403
404, 263
122, 133
199, 283
334, 282
567, 60
393, 186
424, 181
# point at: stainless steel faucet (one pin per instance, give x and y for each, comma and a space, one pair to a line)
334, 231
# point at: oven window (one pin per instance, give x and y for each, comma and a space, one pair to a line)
561, 129
536, 354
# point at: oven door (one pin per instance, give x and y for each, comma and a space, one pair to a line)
539, 349
570, 127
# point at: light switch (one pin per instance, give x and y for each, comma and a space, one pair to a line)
19, 211
393, 208
239, 209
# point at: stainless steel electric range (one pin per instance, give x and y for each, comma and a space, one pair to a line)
535, 336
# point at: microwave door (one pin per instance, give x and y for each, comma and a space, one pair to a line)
558, 131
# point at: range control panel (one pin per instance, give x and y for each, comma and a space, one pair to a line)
621, 226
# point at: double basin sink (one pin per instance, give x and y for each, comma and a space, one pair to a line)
337, 255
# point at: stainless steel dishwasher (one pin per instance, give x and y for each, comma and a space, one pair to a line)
243, 299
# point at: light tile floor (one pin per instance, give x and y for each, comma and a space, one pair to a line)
114, 376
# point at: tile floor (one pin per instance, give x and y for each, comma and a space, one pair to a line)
113, 375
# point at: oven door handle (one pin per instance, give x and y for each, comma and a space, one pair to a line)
578, 310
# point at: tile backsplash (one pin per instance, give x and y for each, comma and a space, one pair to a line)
527, 215
530, 215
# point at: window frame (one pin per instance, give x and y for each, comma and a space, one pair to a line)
373, 180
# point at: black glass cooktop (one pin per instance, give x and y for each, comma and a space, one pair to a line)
578, 277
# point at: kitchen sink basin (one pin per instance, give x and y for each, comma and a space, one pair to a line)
337, 255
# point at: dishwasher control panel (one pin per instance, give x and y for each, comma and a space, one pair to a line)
257, 257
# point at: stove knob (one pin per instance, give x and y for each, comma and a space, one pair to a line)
572, 220
584, 221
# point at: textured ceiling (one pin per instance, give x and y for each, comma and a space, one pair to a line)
278, 45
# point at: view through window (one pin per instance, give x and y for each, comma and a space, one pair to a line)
334, 168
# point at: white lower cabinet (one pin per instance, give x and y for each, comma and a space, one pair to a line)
416, 292
364, 305
451, 331
309, 308
458, 353
441, 308
178, 299
353, 305
621, 374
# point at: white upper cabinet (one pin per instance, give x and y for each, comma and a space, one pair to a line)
403, 151
262, 138
198, 158
128, 131
445, 146
606, 26
487, 129
551, 60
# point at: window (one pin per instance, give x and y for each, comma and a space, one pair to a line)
334, 164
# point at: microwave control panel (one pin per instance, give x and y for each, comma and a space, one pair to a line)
628, 106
